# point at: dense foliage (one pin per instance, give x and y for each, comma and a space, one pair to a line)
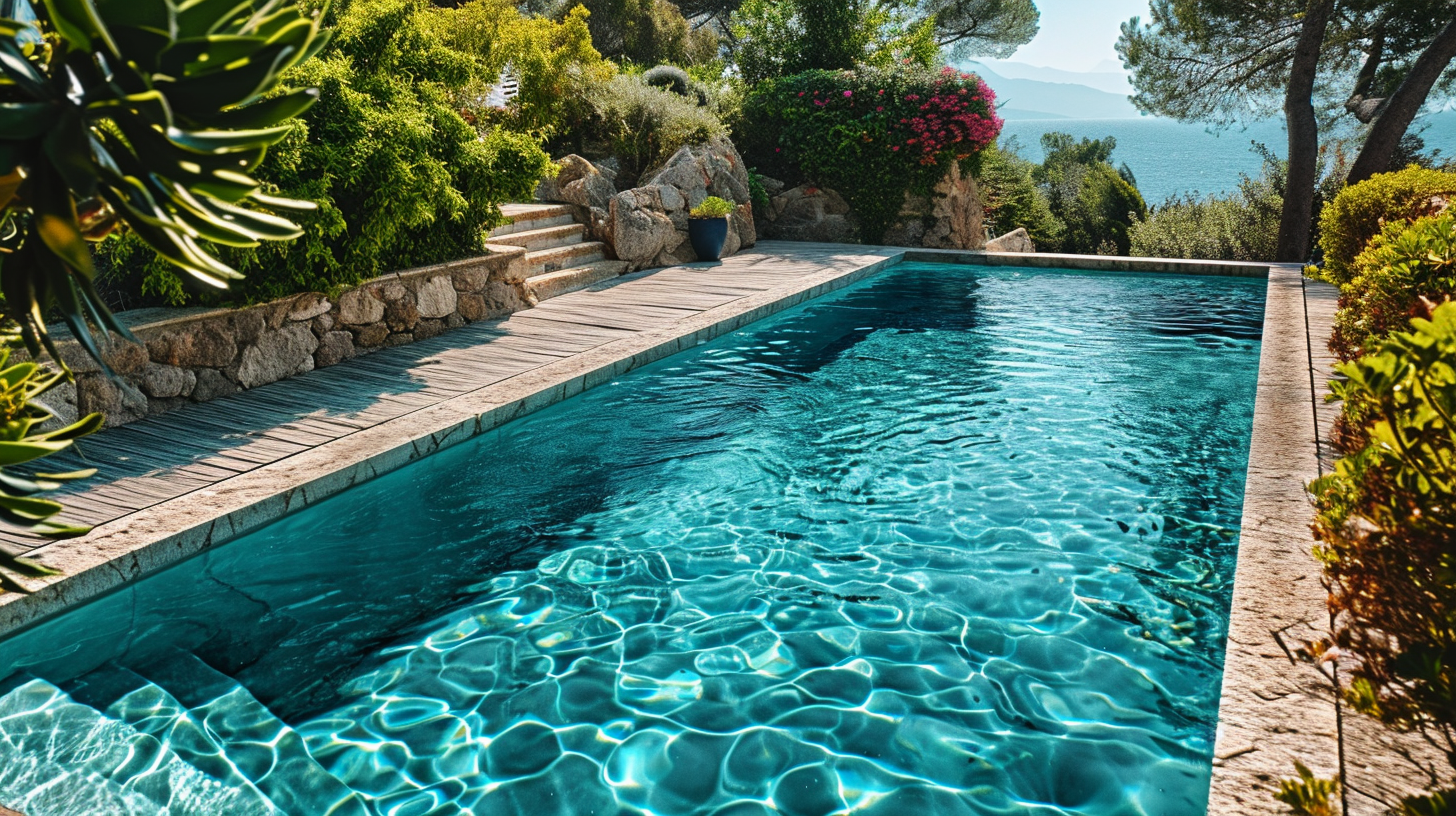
1404, 266
1013, 199
144, 114
1386, 520
640, 125
402, 179
645, 32
778, 38
1241, 226
553, 61
1361, 211
23, 444
1074, 201
1096, 202
872, 135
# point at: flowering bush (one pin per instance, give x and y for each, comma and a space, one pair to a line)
873, 135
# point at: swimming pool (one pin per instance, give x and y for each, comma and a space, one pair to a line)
955, 540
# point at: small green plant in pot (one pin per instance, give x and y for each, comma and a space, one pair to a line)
708, 227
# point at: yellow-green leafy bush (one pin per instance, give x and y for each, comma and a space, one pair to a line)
1386, 519
400, 176
1361, 211
553, 61
1403, 265
1243, 226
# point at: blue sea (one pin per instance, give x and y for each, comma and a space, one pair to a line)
1171, 158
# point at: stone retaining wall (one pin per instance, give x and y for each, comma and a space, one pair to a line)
191, 355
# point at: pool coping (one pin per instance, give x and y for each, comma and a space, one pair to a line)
1278, 713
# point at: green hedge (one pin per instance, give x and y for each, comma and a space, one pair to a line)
1361, 211
401, 178
1402, 266
1243, 226
872, 135
1386, 522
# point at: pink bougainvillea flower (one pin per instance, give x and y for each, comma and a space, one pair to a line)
849, 93
896, 148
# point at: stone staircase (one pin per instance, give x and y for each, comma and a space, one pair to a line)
561, 258
177, 738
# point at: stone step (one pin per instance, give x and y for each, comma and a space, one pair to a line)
527, 217
61, 756
546, 238
551, 284
268, 752
565, 257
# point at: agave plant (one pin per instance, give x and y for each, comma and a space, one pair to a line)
22, 445
143, 114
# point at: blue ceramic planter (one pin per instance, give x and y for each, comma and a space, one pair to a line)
708, 235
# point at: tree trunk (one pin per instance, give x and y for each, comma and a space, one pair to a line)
1298, 215
1403, 105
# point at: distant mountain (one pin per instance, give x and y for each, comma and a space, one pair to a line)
1107, 76
1041, 99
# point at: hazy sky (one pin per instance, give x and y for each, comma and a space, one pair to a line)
1077, 35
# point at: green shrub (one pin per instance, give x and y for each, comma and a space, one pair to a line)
712, 207
640, 125
1403, 265
778, 38
1309, 795
1097, 203
1013, 199
1243, 226
400, 177
648, 32
872, 135
553, 61
1385, 522
1359, 213
670, 78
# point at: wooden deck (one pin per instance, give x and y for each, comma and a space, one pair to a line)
199, 446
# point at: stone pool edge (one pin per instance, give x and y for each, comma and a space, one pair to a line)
1271, 712
1272, 709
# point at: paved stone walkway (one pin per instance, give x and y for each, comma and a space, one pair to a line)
200, 446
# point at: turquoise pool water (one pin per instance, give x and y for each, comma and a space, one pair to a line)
956, 540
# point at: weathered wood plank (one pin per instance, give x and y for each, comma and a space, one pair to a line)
197, 446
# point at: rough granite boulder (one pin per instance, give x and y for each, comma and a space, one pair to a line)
360, 307
808, 213
164, 381
710, 169
951, 217
640, 218
579, 182
641, 228
334, 348
278, 354
436, 298
1014, 241
116, 398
